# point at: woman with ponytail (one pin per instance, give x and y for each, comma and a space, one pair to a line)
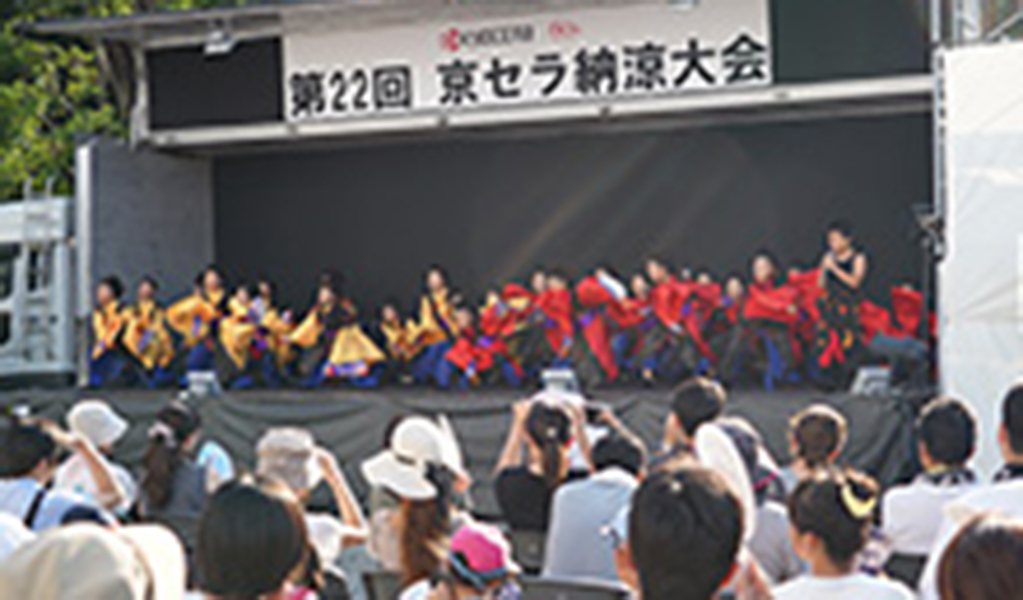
831, 516
546, 432
174, 488
817, 436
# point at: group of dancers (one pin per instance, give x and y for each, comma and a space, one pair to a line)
813, 325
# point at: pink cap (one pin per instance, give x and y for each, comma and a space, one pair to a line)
485, 550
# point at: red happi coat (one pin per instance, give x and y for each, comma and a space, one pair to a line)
467, 352
768, 302
908, 306
556, 308
498, 322
594, 299
875, 319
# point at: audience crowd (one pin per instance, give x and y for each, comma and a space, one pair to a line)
585, 508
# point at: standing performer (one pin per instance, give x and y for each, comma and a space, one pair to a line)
843, 270
555, 306
108, 362
197, 319
436, 329
146, 337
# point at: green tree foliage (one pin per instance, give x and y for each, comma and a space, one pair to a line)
54, 92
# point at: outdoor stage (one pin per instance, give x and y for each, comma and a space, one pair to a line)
352, 423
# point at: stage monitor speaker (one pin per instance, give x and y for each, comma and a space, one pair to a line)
872, 381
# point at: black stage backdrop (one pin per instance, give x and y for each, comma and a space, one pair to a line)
352, 424
492, 207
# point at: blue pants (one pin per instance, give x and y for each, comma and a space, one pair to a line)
111, 368
425, 367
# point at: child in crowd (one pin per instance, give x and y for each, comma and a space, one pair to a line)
831, 515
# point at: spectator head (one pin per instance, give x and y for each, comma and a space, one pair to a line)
830, 516
88, 562
480, 559
694, 402
760, 467
983, 561
1010, 434
250, 542
416, 446
616, 450
946, 433
98, 423
817, 436
110, 289
27, 449
174, 433
548, 433
685, 530
288, 454
840, 236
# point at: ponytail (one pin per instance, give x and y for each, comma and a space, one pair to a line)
165, 454
161, 462
550, 428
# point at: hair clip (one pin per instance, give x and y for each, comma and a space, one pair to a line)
857, 507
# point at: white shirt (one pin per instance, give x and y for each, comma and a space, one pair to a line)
1005, 499
576, 543
419, 590
13, 535
17, 495
327, 533
74, 476
913, 513
857, 586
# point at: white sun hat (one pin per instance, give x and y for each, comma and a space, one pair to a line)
415, 443
716, 450
95, 421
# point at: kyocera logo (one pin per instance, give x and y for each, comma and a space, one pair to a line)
455, 39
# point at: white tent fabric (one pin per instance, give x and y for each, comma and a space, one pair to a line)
981, 291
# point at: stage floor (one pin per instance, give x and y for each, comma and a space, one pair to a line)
352, 423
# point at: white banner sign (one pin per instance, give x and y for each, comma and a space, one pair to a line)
584, 57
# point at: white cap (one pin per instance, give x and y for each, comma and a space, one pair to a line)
415, 443
95, 421
716, 450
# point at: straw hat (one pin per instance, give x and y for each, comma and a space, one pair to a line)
416, 443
